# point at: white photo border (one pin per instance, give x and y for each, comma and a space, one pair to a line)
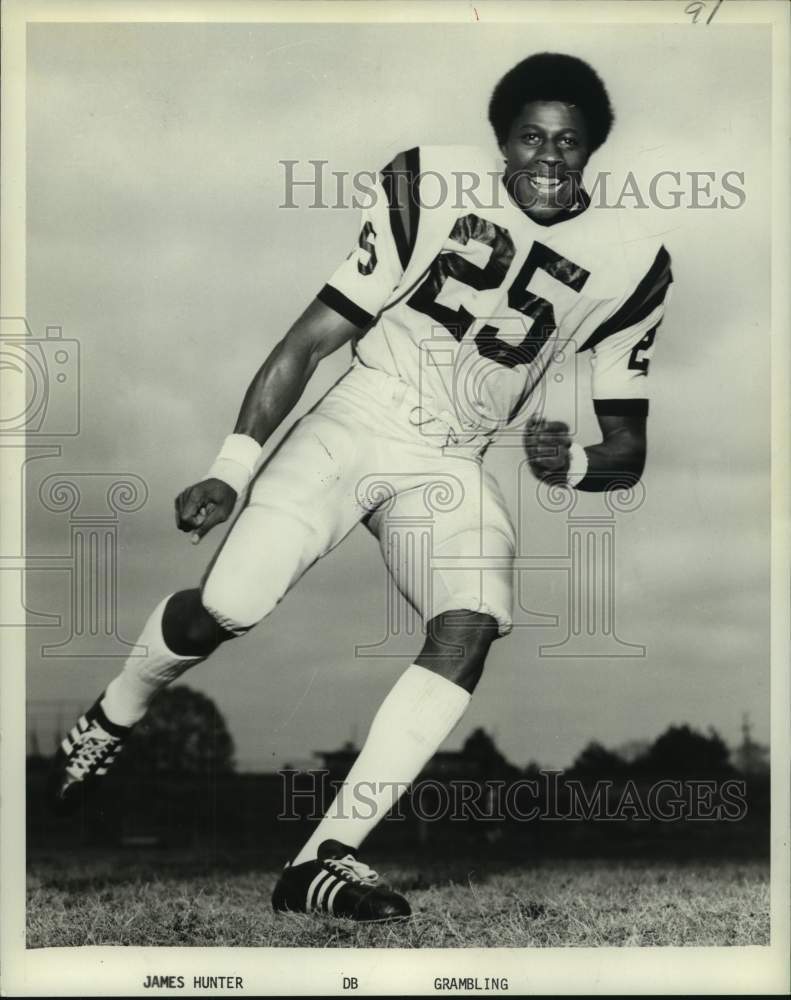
109, 971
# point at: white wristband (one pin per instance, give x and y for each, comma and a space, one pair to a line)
578, 464
236, 461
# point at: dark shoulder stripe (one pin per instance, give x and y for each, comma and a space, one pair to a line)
344, 306
620, 407
400, 181
641, 303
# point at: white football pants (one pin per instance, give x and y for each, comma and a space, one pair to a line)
360, 456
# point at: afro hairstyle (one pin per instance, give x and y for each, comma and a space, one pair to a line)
551, 76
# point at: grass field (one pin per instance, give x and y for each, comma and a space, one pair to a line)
157, 898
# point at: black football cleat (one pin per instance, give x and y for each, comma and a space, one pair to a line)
339, 884
83, 758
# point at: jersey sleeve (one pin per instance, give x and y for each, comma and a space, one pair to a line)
622, 347
367, 279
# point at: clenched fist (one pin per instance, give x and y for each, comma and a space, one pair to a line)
200, 507
547, 444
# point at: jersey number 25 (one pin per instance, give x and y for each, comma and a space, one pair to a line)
453, 265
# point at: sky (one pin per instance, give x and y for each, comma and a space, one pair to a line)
155, 239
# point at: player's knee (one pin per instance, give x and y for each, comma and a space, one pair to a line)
189, 628
464, 635
456, 645
229, 608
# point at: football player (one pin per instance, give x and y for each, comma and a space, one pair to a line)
453, 307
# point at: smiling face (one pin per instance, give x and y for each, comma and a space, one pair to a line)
545, 153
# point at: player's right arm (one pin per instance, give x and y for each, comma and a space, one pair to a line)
345, 306
271, 396
282, 378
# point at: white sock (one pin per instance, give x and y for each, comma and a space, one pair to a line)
417, 715
128, 696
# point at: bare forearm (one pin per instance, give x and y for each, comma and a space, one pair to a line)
615, 463
271, 396
276, 389
282, 378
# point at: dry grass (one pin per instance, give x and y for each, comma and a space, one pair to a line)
158, 899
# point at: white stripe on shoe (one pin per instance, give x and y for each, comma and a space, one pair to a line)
322, 875
331, 898
325, 888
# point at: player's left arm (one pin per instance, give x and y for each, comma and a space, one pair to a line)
621, 351
620, 458
617, 461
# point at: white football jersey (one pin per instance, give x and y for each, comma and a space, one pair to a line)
462, 296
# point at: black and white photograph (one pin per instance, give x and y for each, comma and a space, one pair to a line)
395, 467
